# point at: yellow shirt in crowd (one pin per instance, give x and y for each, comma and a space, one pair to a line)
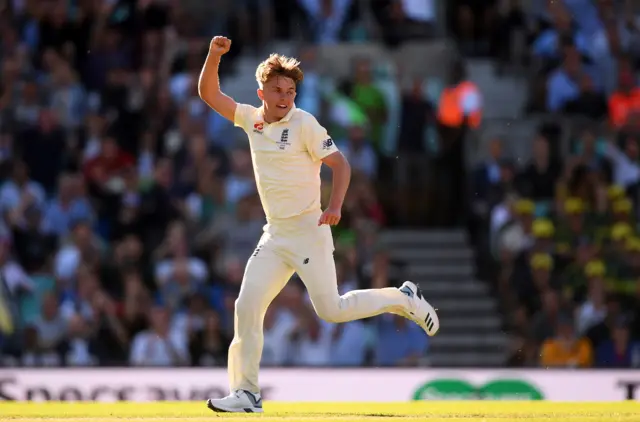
556, 353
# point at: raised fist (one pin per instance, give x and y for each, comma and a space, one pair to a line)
219, 45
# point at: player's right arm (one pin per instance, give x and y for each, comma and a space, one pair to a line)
209, 83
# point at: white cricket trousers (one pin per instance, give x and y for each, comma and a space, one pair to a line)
282, 250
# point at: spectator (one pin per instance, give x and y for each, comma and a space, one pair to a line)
350, 339
135, 305
403, 344
159, 346
626, 171
211, 344
459, 112
32, 245
540, 175
309, 96
473, 22
28, 106
179, 274
404, 20
594, 310
514, 235
236, 234
531, 284
157, 207
104, 172
16, 284
601, 332
280, 325
360, 153
124, 209
83, 246
109, 338
240, 182
51, 330
79, 301
589, 103
6, 150
590, 152
78, 353
31, 354
68, 97
368, 97
563, 32
207, 202
69, 205
128, 261
416, 115
313, 340
620, 351
563, 83
625, 101
43, 150
523, 353
545, 321
487, 179
20, 191
565, 350
326, 19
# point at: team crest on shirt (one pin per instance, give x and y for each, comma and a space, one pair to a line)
258, 127
284, 140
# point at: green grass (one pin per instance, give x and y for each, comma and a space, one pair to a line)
318, 412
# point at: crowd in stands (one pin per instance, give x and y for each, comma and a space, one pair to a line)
564, 229
128, 209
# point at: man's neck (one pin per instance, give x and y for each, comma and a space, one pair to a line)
267, 118
541, 163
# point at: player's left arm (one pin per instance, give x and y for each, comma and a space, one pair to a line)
322, 148
341, 177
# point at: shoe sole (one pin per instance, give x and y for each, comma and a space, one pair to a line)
431, 319
219, 409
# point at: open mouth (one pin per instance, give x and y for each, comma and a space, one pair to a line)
282, 107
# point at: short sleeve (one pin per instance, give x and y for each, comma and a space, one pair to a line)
317, 140
244, 116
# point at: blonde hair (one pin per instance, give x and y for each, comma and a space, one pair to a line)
277, 65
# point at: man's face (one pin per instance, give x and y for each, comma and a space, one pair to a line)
278, 95
631, 148
586, 84
356, 135
495, 149
572, 63
30, 93
588, 142
363, 72
541, 148
566, 330
160, 320
620, 335
109, 148
626, 80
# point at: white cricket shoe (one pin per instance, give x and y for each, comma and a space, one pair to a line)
239, 401
420, 311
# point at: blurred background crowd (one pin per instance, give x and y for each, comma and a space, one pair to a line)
128, 209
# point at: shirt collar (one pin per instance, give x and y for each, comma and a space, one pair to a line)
286, 118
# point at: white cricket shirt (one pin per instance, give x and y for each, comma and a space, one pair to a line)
286, 160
